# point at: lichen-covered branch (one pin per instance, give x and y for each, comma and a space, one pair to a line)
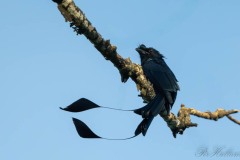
82, 25
185, 120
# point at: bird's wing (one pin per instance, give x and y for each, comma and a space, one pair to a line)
160, 76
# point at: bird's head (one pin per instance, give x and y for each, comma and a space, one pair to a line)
147, 53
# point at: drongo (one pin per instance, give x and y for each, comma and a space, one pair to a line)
165, 86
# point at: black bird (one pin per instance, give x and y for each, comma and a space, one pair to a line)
164, 83
165, 86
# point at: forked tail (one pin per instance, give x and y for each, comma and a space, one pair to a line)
85, 132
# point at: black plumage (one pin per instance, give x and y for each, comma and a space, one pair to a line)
164, 83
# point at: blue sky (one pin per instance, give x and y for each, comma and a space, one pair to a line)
44, 65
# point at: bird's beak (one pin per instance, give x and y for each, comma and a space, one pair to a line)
141, 51
138, 49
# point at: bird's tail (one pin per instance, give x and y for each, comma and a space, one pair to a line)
84, 104
85, 132
143, 126
153, 108
148, 112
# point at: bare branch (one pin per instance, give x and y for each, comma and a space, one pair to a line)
234, 120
